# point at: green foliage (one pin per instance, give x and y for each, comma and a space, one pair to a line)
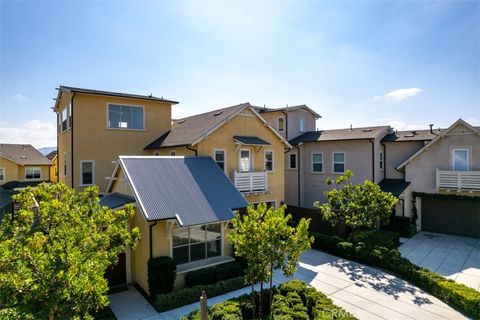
358, 205
384, 238
55, 251
161, 275
461, 297
228, 310
181, 297
216, 273
404, 226
325, 242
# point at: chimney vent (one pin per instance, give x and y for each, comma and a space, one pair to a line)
431, 127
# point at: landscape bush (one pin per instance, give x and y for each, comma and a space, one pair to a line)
384, 238
404, 226
215, 274
161, 275
459, 296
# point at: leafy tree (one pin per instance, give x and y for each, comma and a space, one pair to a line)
55, 250
263, 237
358, 205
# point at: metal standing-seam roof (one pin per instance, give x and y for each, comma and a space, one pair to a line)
249, 140
116, 200
194, 190
394, 186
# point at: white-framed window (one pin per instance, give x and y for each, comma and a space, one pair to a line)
33, 173
281, 124
196, 243
302, 125
245, 160
461, 159
317, 162
70, 116
292, 161
338, 162
268, 157
2, 174
157, 153
64, 163
64, 119
173, 153
219, 155
87, 172
381, 161
125, 117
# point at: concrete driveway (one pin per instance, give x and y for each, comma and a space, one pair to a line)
457, 258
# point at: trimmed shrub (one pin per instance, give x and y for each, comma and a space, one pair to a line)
215, 274
228, 310
325, 243
383, 238
404, 226
161, 275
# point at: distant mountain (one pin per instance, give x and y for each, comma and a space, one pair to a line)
47, 150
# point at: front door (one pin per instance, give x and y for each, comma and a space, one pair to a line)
117, 274
245, 160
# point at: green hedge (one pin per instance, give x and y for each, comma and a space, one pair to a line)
215, 274
384, 238
161, 275
461, 297
293, 300
181, 297
404, 226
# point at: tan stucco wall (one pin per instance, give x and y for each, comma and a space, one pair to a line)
397, 153
15, 172
94, 141
292, 121
53, 170
421, 171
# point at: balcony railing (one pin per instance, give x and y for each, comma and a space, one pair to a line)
458, 180
251, 182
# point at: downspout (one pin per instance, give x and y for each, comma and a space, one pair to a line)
194, 150
373, 158
71, 138
286, 124
298, 173
150, 236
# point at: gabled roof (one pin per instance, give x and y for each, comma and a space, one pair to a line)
51, 155
193, 190
412, 135
394, 186
290, 108
341, 134
23, 154
436, 139
191, 130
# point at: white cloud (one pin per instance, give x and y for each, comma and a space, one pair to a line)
399, 94
19, 97
400, 125
37, 133
178, 112
473, 121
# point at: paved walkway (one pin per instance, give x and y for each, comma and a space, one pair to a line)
365, 292
457, 258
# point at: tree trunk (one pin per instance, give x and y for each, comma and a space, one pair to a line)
253, 300
260, 309
271, 291
353, 238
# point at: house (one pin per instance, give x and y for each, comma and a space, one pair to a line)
53, 157
444, 177
94, 127
242, 143
182, 208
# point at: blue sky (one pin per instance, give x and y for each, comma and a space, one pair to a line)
404, 63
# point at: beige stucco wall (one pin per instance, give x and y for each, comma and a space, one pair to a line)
53, 170
291, 180
397, 153
421, 171
292, 121
94, 141
16, 172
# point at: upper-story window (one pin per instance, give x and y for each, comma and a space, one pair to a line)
219, 157
64, 163
461, 160
292, 161
302, 125
338, 162
381, 163
64, 119
87, 169
281, 124
33, 173
268, 160
173, 153
2, 174
70, 116
125, 117
317, 162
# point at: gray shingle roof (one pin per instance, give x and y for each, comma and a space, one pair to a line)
286, 109
188, 130
116, 200
394, 186
412, 135
251, 140
194, 190
23, 154
340, 134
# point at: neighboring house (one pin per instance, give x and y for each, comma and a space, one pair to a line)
183, 206
95, 127
53, 157
244, 145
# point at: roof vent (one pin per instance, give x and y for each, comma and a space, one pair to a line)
367, 130
181, 121
23, 157
414, 133
218, 113
409, 135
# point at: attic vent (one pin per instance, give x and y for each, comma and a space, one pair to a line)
367, 130
181, 121
218, 113
409, 135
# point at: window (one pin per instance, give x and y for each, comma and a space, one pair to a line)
281, 124
157, 153
64, 119
219, 157
381, 160
338, 162
317, 162
292, 161
33, 173
173, 153
461, 161
64, 163
268, 160
125, 117
302, 125
2, 174
245, 161
87, 169
70, 115
196, 243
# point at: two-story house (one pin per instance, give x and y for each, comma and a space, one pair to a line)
95, 127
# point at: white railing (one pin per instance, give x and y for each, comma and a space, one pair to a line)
458, 180
251, 181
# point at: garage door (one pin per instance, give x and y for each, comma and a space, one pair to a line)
451, 216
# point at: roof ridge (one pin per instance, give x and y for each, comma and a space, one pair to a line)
215, 110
